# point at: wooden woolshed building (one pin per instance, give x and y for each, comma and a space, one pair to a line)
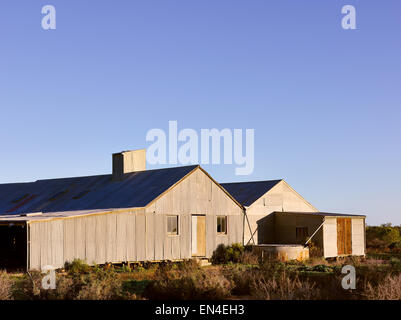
277, 214
131, 215
136, 214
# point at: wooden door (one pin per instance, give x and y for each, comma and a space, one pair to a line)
344, 245
198, 236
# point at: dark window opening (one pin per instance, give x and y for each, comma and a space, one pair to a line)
13, 247
301, 233
221, 224
172, 225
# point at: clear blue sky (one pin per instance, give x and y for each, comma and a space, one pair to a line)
325, 102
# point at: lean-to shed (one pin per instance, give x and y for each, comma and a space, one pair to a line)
261, 199
277, 214
334, 234
131, 215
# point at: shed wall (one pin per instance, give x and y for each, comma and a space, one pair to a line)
95, 239
195, 195
280, 198
358, 236
330, 237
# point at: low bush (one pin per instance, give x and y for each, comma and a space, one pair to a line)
77, 266
283, 287
189, 285
225, 254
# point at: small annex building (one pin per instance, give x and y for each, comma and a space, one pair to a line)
277, 214
131, 215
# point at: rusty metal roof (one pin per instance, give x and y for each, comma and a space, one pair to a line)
247, 193
88, 193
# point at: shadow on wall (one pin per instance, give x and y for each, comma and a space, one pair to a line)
266, 232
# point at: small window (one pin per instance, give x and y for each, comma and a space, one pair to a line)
221, 224
172, 225
301, 233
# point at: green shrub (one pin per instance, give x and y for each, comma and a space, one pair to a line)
225, 254
383, 236
77, 266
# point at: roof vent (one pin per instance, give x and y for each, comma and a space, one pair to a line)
33, 214
128, 161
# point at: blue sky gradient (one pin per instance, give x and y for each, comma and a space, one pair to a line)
325, 102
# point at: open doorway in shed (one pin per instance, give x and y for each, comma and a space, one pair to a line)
13, 247
344, 246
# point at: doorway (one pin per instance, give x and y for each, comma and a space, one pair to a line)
198, 236
13, 249
344, 246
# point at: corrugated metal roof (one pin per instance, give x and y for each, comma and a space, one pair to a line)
322, 214
247, 193
88, 193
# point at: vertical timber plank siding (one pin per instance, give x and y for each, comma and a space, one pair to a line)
358, 237
79, 238
34, 248
210, 230
330, 237
69, 239
340, 236
150, 236
175, 247
121, 237
131, 238
43, 244
90, 239
140, 240
58, 243
111, 237
348, 235
344, 236
160, 234
185, 236
101, 230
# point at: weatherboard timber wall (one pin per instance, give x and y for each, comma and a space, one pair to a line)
330, 237
197, 194
280, 198
358, 236
97, 238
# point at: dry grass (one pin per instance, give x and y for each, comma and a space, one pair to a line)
314, 279
5, 286
283, 287
388, 289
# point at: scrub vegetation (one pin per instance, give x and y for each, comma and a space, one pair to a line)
235, 273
